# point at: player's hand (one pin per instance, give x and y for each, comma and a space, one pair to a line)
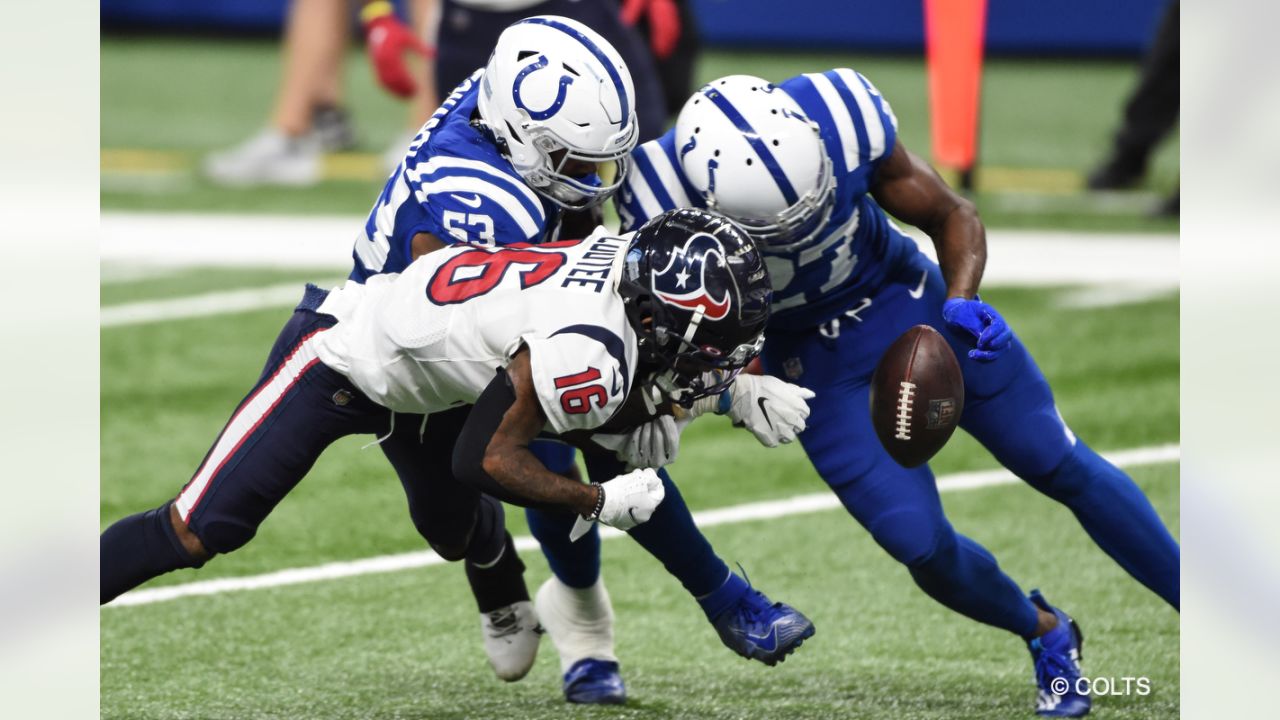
387, 39
773, 410
991, 333
629, 500
654, 444
664, 23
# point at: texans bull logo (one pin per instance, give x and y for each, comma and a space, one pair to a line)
683, 281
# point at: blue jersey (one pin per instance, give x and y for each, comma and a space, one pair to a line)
455, 184
857, 250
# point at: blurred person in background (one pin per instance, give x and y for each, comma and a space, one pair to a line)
309, 118
467, 31
1149, 115
671, 32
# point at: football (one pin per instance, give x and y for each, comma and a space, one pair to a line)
917, 395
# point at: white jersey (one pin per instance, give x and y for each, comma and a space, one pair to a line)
433, 337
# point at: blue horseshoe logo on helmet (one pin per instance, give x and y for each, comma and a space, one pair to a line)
565, 82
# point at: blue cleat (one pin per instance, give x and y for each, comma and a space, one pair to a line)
594, 682
757, 629
1056, 656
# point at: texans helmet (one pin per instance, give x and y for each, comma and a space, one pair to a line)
697, 294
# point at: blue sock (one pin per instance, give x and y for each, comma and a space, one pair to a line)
723, 597
672, 538
963, 576
1119, 518
576, 564
136, 549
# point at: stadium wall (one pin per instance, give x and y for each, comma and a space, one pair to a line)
1016, 27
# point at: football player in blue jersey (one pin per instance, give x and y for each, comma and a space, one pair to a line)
812, 167
540, 135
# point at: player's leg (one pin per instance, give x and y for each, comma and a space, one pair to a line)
573, 603
307, 118
746, 620
900, 507
1009, 408
460, 523
270, 443
575, 564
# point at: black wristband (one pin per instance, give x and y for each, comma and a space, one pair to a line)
595, 514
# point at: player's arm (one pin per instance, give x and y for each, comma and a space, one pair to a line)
423, 243
493, 454
773, 410
909, 189
493, 448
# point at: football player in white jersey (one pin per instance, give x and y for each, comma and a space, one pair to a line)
812, 167
542, 132
555, 337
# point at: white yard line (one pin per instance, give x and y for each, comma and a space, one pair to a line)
797, 505
158, 241
214, 303
1016, 257
1092, 297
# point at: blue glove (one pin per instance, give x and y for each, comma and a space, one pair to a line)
982, 322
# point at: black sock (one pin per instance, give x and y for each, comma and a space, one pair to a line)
498, 584
138, 548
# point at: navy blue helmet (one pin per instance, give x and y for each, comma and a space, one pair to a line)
697, 294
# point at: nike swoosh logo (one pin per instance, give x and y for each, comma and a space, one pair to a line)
474, 202
918, 292
760, 640
764, 411
617, 384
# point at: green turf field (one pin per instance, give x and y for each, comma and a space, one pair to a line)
165, 103
406, 644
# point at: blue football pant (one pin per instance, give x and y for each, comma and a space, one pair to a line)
670, 534
1009, 408
296, 410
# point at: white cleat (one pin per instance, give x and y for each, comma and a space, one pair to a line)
511, 636
268, 158
579, 621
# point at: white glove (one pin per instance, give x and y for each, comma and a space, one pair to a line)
654, 444
773, 410
629, 500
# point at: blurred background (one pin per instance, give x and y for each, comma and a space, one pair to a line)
188, 88
242, 144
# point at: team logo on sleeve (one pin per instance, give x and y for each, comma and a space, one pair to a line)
683, 281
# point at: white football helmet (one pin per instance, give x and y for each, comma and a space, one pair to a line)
753, 155
554, 84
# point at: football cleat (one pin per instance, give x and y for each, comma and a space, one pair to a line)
759, 630
1056, 657
268, 158
594, 682
511, 636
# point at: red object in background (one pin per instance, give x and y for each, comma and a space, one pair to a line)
387, 39
755, 367
954, 33
663, 21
